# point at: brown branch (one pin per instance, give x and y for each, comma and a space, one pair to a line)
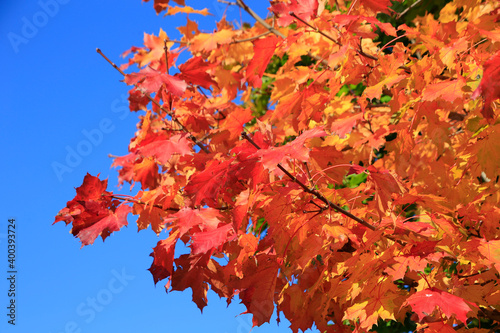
473, 274
259, 19
175, 41
361, 52
166, 53
131, 199
407, 9
174, 118
316, 29
274, 31
251, 38
315, 192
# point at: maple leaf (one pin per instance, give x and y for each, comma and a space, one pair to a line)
271, 157
351, 21
186, 10
163, 257
164, 149
377, 5
448, 90
207, 185
203, 242
489, 87
93, 212
152, 54
385, 184
191, 276
305, 9
151, 80
137, 100
491, 250
258, 287
90, 204
376, 90
104, 227
200, 219
209, 42
234, 123
195, 71
145, 172
263, 51
343, 126
160, 5
424, 302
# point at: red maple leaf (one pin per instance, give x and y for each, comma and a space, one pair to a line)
200, 219
90, 204
150, 80
489, 87
263, 52
195, 71
271, 157
305, 9
160, 5
424, 303
93, 211
202, 242
112, 222
164, 149
258, 287
163, 254
137, 100
207, 185
377, 5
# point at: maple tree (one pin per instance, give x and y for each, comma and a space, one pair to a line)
336, 162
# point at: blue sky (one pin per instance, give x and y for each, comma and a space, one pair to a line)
55, 88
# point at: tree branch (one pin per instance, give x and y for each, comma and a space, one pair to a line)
174, 118
259, 19
274, 31
315, 192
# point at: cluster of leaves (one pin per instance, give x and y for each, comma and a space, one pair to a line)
333, 162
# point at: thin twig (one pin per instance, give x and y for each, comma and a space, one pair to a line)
273, 30
259, 19
228, 2
361, 52
407, 9
174, 118
316, 29
140, 202
316, 193
251, 38
166, 53
175, 41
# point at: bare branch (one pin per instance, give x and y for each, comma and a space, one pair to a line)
251, 38
259, 19
407, 9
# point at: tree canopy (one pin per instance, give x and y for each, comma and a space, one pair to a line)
336, 162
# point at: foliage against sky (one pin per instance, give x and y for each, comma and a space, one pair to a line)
337, 161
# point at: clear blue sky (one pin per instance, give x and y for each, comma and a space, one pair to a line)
54, 88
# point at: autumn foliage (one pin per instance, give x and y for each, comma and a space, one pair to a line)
336, 162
